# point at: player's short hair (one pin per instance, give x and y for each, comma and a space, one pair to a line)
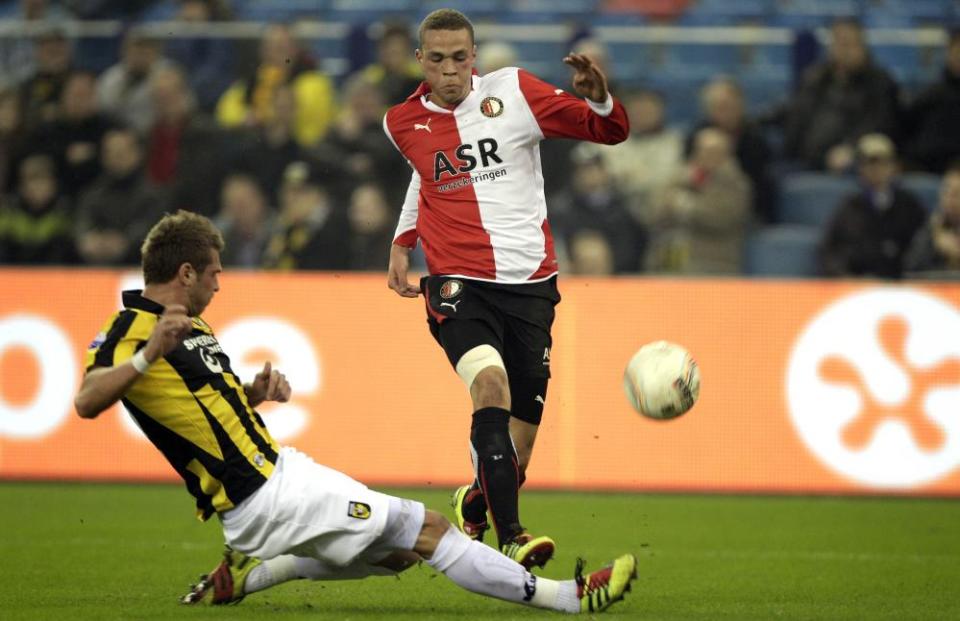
953, 168
445, 19
182, 237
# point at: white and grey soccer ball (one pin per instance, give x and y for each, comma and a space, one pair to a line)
662, 380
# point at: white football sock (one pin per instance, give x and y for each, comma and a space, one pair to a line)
289, 567
314, 569
481, 569
271, 573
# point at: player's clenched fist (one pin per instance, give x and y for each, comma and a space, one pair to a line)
173, 326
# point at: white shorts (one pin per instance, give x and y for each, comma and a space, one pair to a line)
308, 509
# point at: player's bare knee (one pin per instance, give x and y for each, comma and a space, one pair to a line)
491, 389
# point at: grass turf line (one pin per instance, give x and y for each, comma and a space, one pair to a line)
73, 551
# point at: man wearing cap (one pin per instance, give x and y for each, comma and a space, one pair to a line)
871, 229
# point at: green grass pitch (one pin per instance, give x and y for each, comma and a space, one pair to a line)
71, 551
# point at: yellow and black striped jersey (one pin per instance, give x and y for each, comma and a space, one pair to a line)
192, 407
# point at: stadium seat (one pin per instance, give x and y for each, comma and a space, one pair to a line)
812, 13
782, 250
368, 11
741, 10
925, 186
559, 9
160, 11
475, 9
811, 198
286, 10
907, 12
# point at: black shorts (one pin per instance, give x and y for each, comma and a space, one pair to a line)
513, 319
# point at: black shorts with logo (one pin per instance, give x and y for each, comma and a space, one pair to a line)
513, 319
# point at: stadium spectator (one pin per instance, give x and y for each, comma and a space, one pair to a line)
357, 143
493, 55
593, 202
642, 165
75, 136
936, 246
36, 223
724, 108
590, 254
700, 221
17, 56
838, 101
266, 151
933, 118
245, 219
209, 59
123, 90
185, 148
310, 233
13, 139
476, 204
371, 228
119, 207
41, 91
395, 73
304, 520
249, 102
871, 230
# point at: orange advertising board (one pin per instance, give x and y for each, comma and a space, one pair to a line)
806, 386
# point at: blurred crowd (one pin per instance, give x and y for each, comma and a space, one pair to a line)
294, 166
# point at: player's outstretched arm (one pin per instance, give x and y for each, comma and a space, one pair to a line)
397, 272
588, 80
104, 386
268, 385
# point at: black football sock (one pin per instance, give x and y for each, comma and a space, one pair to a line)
497, 469
475, 505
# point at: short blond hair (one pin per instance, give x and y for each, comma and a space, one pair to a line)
178, 238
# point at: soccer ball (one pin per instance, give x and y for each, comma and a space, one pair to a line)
662, 380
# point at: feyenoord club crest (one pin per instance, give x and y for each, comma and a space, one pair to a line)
451, 289
491, 106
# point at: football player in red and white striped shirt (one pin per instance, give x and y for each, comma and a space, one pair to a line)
476, 205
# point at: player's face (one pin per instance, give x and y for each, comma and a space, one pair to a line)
447, 58
206, 284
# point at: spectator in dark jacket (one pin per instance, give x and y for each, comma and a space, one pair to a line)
53, 54
933, 119
75, 136
593, 202
116, 212
36, 224
185, 148
936, 247
838, 101
724, 108
210, 59
872, 229
245, 220
371, 228
310, 233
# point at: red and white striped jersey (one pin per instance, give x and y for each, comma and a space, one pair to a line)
476, 199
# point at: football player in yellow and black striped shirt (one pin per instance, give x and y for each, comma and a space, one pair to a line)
190, 404
306, 520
